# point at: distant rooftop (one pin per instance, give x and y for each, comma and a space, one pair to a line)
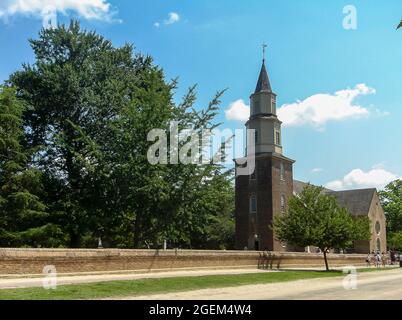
357, 202
298, 186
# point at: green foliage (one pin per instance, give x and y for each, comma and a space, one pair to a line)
391, 200
23, 217
400, 25
216, 226
315, 219
395, 240
77, 83
90, 109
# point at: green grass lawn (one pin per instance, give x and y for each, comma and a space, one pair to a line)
164, 285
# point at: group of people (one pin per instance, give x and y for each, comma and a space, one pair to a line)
380, 259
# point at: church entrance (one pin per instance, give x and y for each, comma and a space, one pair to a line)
257, 245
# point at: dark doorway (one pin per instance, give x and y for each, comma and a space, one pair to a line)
257, 246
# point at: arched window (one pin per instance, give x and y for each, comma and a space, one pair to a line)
378, 228
282, 172
253, 204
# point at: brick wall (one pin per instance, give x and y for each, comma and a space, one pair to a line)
268, 188
32, 261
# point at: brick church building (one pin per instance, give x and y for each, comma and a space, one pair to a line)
265, 193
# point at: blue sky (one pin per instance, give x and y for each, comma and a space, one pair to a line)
341, 88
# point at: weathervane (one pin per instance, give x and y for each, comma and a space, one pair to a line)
264, 47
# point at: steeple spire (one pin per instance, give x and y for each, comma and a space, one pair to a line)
264, 47
263, 83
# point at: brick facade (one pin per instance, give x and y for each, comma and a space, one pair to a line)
268, 186
272, 184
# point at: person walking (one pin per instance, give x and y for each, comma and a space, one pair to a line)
378, 260
368, 260
384, 259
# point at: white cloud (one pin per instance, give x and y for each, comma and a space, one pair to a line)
377, 177
314, 111
317, 170
87, 9
173, 18
321, 108
381, 113
238, 111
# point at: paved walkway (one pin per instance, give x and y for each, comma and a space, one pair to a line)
370, 286
11, 283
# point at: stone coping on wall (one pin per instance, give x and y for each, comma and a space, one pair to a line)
29, 252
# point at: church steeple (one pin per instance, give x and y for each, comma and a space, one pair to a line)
263, 194
263, 83
263, 117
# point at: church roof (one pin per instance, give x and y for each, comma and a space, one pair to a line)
357, 202
298, 186
263, 83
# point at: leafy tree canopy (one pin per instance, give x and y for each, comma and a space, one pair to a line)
23, 217
391, 200
315, 219
395, 240
90, 107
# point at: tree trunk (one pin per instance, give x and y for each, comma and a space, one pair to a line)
326, 260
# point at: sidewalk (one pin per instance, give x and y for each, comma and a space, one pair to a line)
11, 283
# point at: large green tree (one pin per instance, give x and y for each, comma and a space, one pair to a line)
391, 200
24, 220
91, 107
395, 240
174, 202
78, 82
315, 219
